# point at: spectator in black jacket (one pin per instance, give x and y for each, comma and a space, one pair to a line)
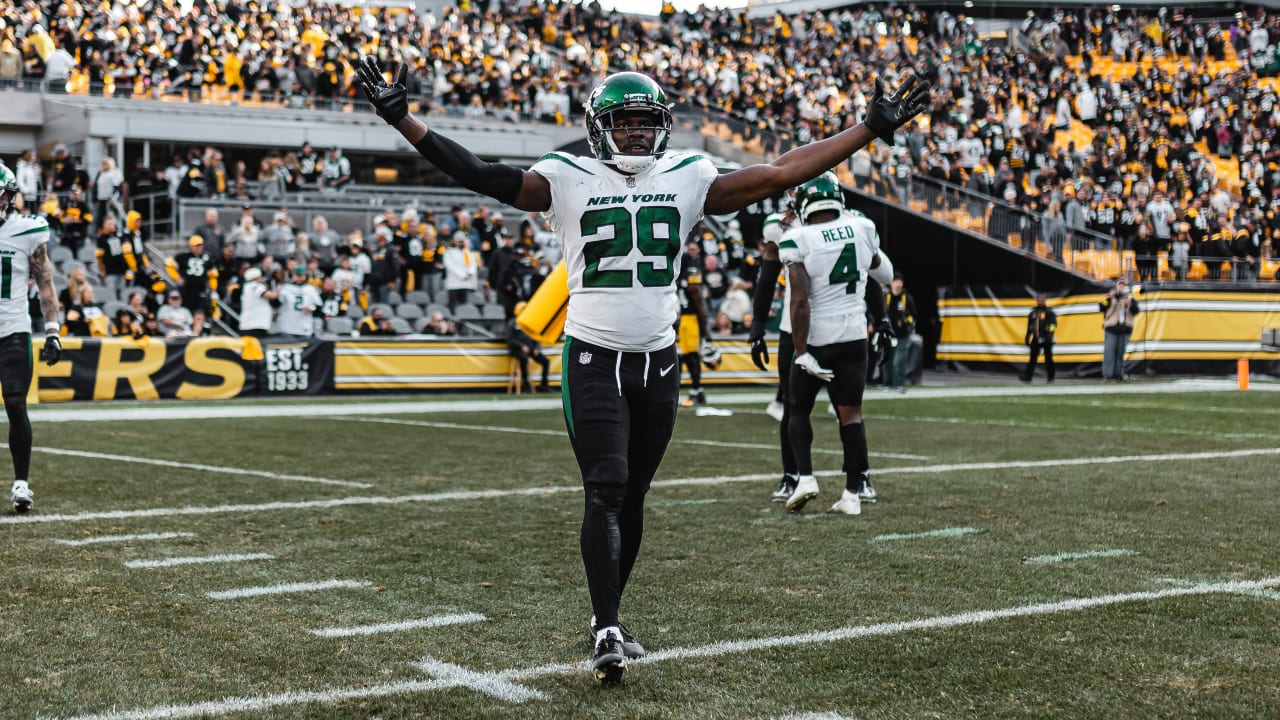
1042, 323
524, 348
901, 310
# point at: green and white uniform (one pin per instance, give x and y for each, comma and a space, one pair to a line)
837, 256
622, 240
20, 236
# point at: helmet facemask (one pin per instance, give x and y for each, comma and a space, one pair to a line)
821, 193
623, 97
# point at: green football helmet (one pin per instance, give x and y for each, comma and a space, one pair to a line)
8, 190
618, 95
820, 193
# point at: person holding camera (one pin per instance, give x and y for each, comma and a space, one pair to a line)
1042, 323
1118, 310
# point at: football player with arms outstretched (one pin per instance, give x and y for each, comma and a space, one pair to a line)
828, 259
621, 216
23, 255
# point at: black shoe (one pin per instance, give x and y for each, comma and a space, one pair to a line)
609, 664
630, 647
786, 486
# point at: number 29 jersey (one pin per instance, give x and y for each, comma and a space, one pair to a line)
837, 256
622, 238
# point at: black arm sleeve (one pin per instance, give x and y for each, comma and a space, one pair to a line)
766, 285
874, 296
497, 180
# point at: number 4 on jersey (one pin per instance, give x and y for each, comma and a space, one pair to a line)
846, 269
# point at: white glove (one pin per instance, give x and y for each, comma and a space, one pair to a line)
809, 364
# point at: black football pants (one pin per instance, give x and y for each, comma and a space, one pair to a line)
620, 409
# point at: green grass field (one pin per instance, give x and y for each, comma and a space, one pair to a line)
1032, 556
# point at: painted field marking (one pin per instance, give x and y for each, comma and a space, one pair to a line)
944, 532
196, 466
402, 626
557, 489
450, 678
674, 503
1127, 405
1258, 593
202, 560
1073, 556
126, 538
285, 589
561, 434
490, 684
1066, 426
813, 716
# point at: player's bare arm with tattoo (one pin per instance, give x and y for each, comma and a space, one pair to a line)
42, 271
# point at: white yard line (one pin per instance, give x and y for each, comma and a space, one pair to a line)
1073, 556
561, 434
491, 684
509, 680
944, 532
165, 410
126, 538
813, 716
557, 489
1252, 592
1129, 405
402, 626
285, 589
1028, 424
196, 466
201, 560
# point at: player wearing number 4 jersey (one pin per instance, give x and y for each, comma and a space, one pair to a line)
23, 255
828, 261
620, 217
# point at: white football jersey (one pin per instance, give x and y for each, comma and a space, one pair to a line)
20, 235
294, 318
837, 256
622, 238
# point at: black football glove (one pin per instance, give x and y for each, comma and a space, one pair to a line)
52, 349
759, 349
884, 329
390, 101
890, 112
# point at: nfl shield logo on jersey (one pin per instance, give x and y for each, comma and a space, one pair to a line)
584, 358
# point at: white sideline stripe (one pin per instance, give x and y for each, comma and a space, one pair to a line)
673, 503
1259, 593
490, 684
813, 716
1073, 556
944, 532
126, 538
1161, 407
201, 560
231, 705
1066, 426
196, 466
556, 489
561, 434
430, 622
231, 409
285, 588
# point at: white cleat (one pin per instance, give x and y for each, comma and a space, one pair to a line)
22, 496
849, 504
774, 410
806, 490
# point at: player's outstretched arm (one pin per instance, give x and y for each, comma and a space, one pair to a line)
733, 191
519, 188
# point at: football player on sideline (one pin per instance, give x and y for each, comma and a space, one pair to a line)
24, 255
828, 262
621, 216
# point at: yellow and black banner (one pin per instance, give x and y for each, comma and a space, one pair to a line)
146, 369
1171, 325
